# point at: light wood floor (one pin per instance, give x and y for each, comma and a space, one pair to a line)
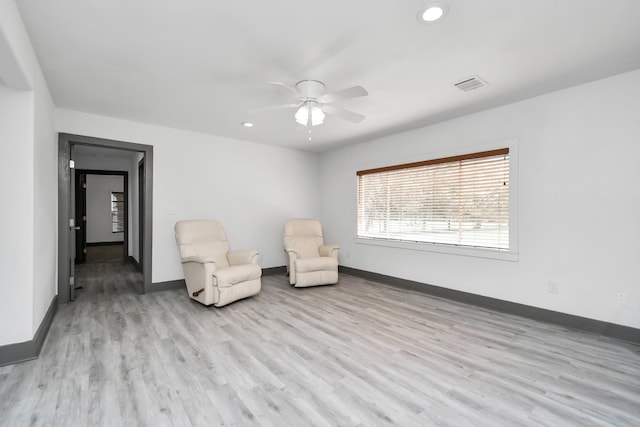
355, 354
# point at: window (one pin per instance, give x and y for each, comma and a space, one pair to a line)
117, 212
460, 200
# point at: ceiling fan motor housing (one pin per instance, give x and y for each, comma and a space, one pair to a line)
310, 89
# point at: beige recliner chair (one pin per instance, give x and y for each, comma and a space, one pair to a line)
214, 274
311, 262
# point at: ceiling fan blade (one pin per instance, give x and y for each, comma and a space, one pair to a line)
284, 86
342, 113
351, 92
275, 107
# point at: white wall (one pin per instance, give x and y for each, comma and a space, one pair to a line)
579, 201
45, 204
251, 188
16, 216
28, 267
99, 189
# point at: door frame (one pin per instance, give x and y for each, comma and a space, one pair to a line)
65, 213
141, 212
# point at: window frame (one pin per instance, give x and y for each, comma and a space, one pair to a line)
511, 254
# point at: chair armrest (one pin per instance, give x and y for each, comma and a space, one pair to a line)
243, 257
291, 252
329, 250
199, 259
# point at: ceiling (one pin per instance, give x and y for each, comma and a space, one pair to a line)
202, 65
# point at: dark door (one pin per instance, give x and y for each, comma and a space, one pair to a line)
81, 217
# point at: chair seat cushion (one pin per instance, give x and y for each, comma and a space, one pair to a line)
238, 291
233, 274
306, 265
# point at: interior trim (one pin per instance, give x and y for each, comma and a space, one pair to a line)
271, 271
607, 329
29, 350
451, 159
179, 283
65, 144
166, 286
135, 263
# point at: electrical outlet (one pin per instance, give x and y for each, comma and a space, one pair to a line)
348, 254
622, 299
554, 287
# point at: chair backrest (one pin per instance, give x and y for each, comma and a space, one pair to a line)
202, 238
304, 235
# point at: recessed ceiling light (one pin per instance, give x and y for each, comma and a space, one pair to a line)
247, 124
432, 12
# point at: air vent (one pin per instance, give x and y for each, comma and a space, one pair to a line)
470, 83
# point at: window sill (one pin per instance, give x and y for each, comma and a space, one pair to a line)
503, 255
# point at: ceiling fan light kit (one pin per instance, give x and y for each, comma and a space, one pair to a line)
309, 114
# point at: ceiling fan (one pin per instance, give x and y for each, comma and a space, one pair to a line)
313, 104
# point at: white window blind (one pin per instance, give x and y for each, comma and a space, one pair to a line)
460, 200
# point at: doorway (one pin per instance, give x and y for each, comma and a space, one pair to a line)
102, 211
69, 228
